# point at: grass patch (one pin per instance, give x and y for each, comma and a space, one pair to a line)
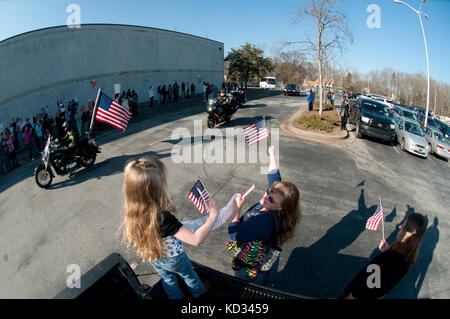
325, 106
321, 123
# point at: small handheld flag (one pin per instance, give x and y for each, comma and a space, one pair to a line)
256, 132
111, 112
199, 196
374, 221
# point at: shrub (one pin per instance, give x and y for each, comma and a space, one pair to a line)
325, 106
321, 123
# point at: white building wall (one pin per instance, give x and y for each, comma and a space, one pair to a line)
40, 67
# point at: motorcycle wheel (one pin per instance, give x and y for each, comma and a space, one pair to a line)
42, 177
211, 123
89, 160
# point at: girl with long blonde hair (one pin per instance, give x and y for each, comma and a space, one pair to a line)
156, 234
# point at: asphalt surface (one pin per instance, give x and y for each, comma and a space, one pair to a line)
77, 221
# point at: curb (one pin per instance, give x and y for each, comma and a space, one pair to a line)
288, 127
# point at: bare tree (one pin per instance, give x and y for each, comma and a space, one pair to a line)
332, 33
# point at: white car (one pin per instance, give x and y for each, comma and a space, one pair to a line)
386, 101
411, 137
437, 142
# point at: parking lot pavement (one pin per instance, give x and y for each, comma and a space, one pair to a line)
77, 221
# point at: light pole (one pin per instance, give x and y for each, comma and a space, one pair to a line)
419, 13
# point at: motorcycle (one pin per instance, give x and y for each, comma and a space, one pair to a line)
239, 95
53, 156
220, 109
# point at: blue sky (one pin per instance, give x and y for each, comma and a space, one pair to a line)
397, 44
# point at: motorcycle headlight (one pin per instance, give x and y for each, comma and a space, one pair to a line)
210, 108
211, 101
365, 119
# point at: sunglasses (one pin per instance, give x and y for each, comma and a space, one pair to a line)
270, 196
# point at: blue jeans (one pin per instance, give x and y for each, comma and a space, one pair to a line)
262, 277
167, 267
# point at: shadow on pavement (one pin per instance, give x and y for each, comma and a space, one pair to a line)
110, 166
320, 270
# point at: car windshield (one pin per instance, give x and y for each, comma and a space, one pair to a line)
440, 137
290, 86
413, 128
271, 81
375, 108
409, 114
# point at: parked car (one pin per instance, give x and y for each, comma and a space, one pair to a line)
437, 142
431, 122
384, 100
402, 112
372, 118
291, 89
445, 128
410, 136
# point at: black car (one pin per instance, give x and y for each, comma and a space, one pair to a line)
291, 89
372, 118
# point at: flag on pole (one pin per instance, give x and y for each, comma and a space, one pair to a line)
199, 196
256, 132
111, 112
374, 221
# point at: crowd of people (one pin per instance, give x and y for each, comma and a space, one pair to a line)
31, 135
172, 93
255, 238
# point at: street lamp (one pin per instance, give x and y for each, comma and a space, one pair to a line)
419, 13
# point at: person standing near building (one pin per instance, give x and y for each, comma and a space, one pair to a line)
151, 95
6, 161
183, 90
310, 99
344, 114
204, 91
169, 94
175, 92
158, 91
84, 120
12, 151
192, 89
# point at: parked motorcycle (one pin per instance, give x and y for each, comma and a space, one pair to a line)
221, 108
53, 157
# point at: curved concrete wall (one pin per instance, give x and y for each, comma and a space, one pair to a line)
40, 67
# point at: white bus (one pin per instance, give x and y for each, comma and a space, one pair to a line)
268, 82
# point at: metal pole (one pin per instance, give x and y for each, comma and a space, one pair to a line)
428, 70
94, 111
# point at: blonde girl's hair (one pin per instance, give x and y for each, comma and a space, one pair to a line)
417, 225
290, 212
146, 197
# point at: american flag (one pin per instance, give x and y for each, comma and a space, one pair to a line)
111, 112
374, 221
199, 196
256, 132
